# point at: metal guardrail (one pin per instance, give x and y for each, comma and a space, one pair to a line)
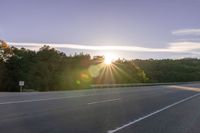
137, 84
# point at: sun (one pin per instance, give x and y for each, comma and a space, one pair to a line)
108, 61
109, 58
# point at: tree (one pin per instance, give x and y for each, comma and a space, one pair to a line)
49, 69
5, 51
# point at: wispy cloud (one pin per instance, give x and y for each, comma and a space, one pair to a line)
175, 47
195, 32
90, 47
184, 46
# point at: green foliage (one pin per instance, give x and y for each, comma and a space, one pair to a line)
3, 77
5, 51
167, 70
49, 70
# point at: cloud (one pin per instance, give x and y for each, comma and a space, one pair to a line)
90, 47
195, 32
175, 47
184, 46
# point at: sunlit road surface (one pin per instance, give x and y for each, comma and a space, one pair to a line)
150, 109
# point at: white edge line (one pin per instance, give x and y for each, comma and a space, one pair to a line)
37, 100
151, 114
103, 101
47, 99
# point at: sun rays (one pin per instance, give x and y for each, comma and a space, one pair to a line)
107, 71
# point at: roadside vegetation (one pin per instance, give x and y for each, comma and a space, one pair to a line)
49, 70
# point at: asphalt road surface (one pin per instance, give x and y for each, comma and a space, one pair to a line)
150, 109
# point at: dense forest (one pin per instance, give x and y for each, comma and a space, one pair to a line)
49, 69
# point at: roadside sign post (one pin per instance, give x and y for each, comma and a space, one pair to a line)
21, 84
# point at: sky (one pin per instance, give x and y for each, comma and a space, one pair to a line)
128, 28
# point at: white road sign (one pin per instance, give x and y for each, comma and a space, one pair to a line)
21, 83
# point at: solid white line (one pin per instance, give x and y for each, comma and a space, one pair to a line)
151, 114
109, 100
68, 97
43, 99
36, 100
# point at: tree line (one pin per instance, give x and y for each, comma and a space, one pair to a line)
49, 70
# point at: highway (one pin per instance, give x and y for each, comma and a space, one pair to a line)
148, 109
